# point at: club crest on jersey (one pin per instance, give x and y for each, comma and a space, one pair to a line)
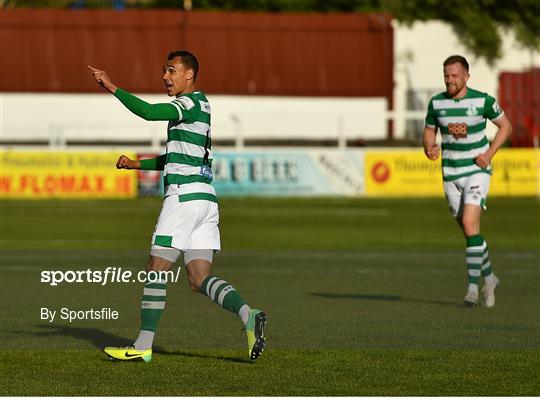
442, 112
205, 107
471, 111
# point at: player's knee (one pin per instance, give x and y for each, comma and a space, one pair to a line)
157, 264
153, 266
470, 226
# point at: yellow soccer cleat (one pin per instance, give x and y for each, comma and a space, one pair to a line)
255, 333
128, 353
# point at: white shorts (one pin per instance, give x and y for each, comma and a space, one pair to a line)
187, 225
471, 189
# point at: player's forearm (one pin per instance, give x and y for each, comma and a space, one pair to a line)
110, 87
503, 134
149, 112
429, 138
153, 163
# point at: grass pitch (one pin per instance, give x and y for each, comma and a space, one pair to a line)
363, 297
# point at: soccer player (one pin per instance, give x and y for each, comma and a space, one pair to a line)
461, 113
188, 222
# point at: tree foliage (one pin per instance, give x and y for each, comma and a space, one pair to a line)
479, 24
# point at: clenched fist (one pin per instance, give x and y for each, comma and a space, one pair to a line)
433, 152
126, 163
483, 160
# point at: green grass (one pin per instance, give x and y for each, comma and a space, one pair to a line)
283, 372
363, 296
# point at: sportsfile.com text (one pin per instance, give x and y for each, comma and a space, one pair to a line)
109, 275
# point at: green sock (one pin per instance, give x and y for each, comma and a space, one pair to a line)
474, 254
153, 303
224, 294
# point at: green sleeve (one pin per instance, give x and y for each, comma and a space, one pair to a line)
153, 163
149, 112
492, 110
431, 119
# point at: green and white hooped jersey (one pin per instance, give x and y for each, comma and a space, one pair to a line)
185, 174
473, 110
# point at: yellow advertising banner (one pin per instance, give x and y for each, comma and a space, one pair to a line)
408, 173
41, 175
516, 173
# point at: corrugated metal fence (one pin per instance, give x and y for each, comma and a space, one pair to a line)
240, 53
519, 95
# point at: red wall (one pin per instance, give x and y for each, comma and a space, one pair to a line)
519, 95
240, 53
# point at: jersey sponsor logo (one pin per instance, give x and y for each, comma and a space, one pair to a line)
458, 130
186, 102
206, 171
471, 111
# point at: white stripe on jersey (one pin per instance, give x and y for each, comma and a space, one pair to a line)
449, 154
189, 188
469, 120
196, 188
449, 171
187, 148
195, 127
463, 103
470, 138
179, 169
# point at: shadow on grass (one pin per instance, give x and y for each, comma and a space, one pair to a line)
100, 339
203, 356
389, 298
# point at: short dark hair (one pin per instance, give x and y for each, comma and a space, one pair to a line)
455, 59
188, 59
